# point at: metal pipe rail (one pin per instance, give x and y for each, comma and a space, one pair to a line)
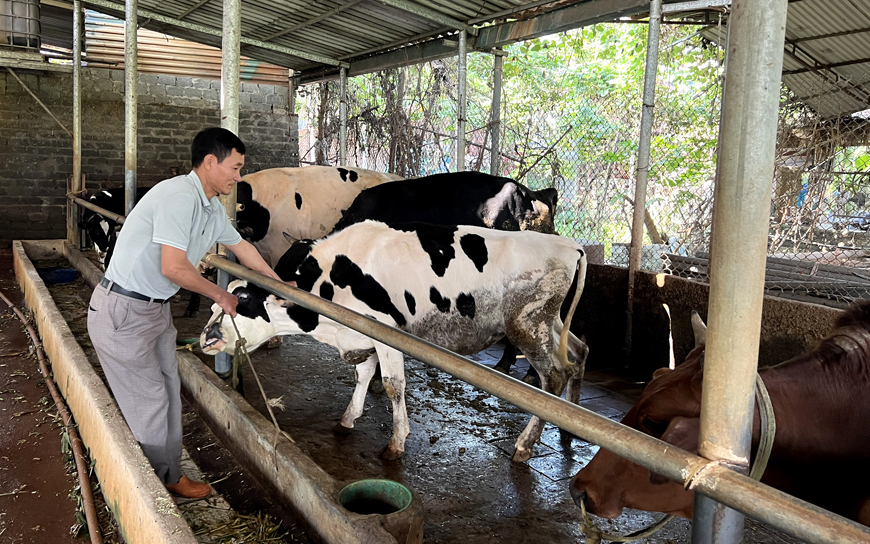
784, 512
102, 211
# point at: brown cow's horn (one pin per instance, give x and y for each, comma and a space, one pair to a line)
699, 328
671, 358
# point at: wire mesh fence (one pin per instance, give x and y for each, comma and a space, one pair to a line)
571, 120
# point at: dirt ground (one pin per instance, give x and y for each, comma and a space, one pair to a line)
457, 457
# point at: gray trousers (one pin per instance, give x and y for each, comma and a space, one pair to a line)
135, 342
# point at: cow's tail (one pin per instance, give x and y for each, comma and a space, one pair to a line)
562, 352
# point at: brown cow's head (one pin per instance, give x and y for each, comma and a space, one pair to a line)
669, 409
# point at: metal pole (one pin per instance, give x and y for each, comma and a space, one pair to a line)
230, 83
647, 116
342, 113
131, 98
72, 231
747, 142
497, 70
764, 503
460, 121
291, 95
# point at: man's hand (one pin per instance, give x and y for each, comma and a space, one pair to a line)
228, 302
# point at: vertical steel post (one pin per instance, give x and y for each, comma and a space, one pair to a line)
460, 120
230, 83
291, 94
643, 153
497, 70
72, 231
342, 114
747, 142
131, 102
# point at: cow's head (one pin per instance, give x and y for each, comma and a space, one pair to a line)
261, 315
102, 232
542, 216
669, 409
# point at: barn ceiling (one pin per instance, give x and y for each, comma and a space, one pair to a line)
826, 61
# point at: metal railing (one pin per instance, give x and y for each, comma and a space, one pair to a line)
766, 504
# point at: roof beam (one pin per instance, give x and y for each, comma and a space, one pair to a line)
194, 8
154, 16
825, 66
313, 20
831, 35
430, 15
424, 52
571, 17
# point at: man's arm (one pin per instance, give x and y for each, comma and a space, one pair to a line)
250, 257
175, 266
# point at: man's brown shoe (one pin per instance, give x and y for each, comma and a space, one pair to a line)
190, 489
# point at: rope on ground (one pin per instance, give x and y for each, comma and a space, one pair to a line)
75, 441
241, 348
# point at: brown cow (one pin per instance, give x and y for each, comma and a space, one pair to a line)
821, 452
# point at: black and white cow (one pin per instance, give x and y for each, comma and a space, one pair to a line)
460, 287
303, 202
459, 198
101, 230
456, 198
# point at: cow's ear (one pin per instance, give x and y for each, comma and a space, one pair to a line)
290, 239
660, 372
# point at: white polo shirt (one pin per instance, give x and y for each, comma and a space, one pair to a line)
175, 212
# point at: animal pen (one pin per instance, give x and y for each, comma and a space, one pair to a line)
805, 242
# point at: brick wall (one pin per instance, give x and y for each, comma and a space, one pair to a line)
36, 153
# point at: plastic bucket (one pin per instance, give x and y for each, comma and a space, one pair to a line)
400, 508
375, 497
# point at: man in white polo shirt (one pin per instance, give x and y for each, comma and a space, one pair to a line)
162, 241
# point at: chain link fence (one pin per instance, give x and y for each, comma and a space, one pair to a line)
571, 120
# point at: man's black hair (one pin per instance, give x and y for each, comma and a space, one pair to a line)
216, 141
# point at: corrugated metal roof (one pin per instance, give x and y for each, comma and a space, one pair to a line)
325, 33
827, 55
162, 54
827, 59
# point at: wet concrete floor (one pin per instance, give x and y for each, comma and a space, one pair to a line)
457, 457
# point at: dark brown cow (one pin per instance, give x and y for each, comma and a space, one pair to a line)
822, 448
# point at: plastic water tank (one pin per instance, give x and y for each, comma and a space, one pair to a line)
19, 23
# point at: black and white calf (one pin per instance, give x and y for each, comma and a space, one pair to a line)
102, 231
460, 287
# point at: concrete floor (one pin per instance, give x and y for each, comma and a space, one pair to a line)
458, 454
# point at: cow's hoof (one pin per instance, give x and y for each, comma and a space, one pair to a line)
502, 369
341, 429
274, 342
521, 456
390, 454
191, 314
376, 387
532, 379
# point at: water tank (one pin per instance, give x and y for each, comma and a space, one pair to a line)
19, 23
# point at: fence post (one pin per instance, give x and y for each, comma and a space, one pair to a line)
643, 153
460, 121
497, 70
342, 115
